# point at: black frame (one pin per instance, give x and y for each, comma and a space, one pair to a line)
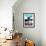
33, 20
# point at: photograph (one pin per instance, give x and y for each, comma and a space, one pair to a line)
29, 20
22, 22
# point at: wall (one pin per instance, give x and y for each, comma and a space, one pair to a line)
43, 22
28, 6
6, 13
6, 16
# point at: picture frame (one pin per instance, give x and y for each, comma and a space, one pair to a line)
28, 20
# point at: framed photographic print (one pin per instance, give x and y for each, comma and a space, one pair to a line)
29, 20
